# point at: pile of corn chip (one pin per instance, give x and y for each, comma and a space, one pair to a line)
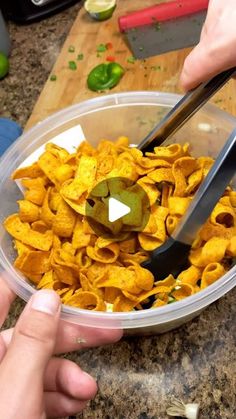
57, 248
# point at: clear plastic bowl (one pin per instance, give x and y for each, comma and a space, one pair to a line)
132, 114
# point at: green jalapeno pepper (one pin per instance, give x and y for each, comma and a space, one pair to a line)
104, 76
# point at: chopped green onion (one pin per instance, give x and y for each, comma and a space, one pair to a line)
71, 48
156, 24
171, 300
101, 48
109, 307
53, 77
155, 67
131, 59
80, 57
72, 65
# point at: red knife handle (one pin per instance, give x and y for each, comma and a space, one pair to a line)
161, 12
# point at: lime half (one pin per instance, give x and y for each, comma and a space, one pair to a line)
100, 9
4, 65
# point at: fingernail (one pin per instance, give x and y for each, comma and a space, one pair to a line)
87, 380
45, 301
87, 376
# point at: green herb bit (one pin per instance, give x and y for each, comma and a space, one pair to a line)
156, 24
171, 300
71, 48
101, 48
141, 48
72, 65
53, 77
156, 67
131, 59
80, 57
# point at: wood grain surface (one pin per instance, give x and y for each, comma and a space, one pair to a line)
156, 73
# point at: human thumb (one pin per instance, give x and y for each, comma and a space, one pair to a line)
31, 347
202, 64
198, 67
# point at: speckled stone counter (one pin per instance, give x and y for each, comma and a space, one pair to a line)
35, 48
137, 376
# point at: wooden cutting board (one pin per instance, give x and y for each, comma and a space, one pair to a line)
157, 73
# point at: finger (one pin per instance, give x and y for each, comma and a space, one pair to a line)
6, 298
66, 377
2, 348
31, 347
59, 405
72, 337
197, 68
202, 64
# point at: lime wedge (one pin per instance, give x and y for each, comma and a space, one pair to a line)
100, 9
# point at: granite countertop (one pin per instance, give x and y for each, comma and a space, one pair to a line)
138, 375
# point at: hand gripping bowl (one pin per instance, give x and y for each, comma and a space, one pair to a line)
132, 114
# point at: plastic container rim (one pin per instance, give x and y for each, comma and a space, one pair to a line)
142, 318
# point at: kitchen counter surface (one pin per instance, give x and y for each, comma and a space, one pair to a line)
136, 376
35, 49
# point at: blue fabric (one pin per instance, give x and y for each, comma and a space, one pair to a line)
9, 132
